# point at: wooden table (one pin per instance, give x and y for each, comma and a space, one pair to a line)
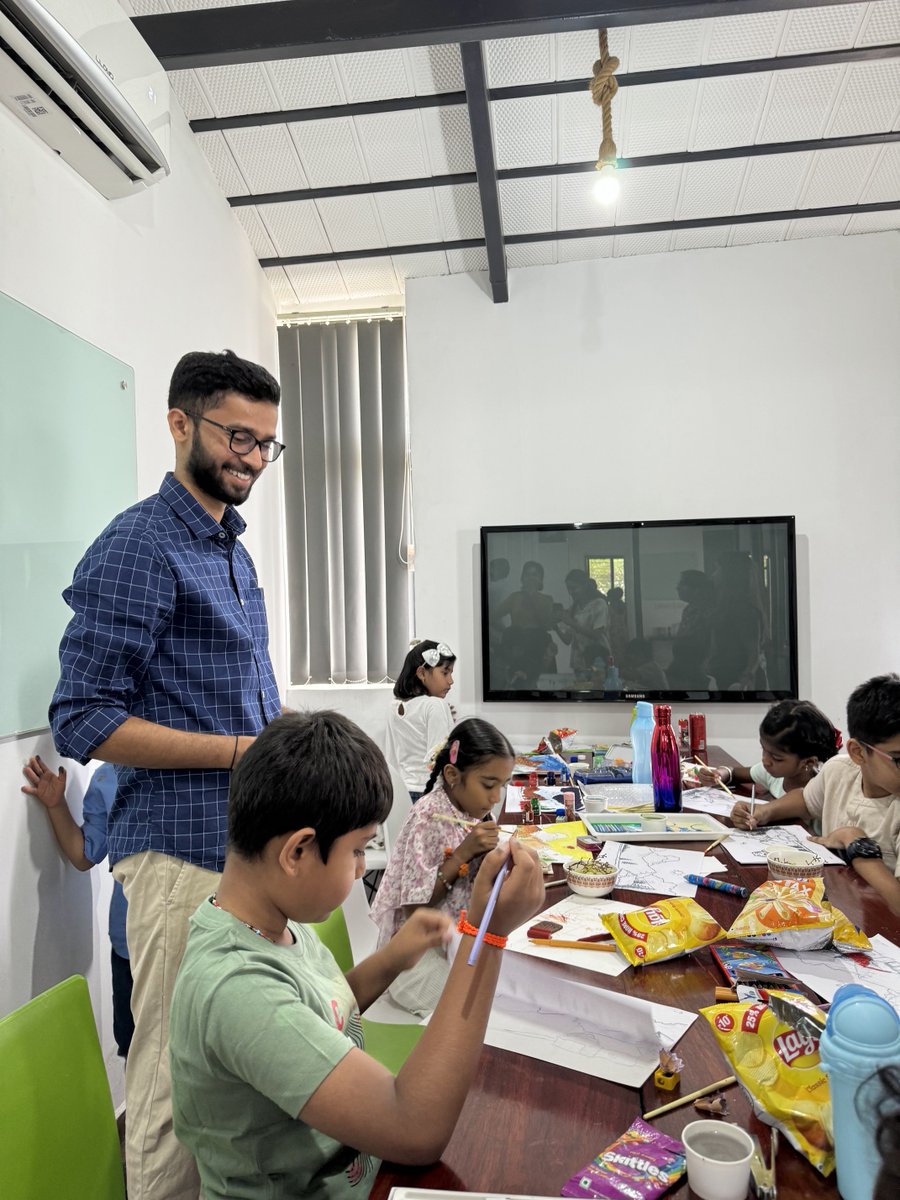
527, 1126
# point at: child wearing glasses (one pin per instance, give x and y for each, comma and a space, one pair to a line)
856, 797
420, 717
440, 849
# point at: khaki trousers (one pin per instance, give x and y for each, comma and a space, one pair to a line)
162, 894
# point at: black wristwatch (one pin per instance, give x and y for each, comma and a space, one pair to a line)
863, 847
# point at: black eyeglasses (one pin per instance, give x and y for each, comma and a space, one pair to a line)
242, 442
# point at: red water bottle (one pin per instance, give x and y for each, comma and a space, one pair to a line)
665, 763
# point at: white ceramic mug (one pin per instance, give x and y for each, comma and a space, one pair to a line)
718, 1159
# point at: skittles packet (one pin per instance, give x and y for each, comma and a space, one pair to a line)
664, 930
640, 1165
779, 1070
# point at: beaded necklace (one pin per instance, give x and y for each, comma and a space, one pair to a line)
215, 903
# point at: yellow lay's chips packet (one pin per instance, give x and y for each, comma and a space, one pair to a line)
780, 1072
664, 930
848, 938
786, 912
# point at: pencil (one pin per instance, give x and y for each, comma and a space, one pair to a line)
752, 799
560, 944
555, 883
704, 1091
488, 912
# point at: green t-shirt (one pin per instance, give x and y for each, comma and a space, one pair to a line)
254, 1030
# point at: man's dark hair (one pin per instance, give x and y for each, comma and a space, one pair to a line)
203, 377
313, 769
873, 710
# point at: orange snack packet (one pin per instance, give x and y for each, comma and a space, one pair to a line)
664, 930
779, 1070
786, 912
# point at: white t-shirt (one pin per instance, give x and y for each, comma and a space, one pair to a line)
836, 796
413, 736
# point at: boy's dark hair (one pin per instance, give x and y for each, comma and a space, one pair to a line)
202, 378
873, 710
408, 683
802, 729
310, 768
476, 741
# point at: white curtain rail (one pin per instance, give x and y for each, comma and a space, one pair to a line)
341, 318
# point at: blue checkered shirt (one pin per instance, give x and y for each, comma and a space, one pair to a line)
169, 625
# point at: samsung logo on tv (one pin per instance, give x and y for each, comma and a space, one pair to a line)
635, 695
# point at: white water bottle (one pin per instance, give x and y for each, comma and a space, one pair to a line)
641, 736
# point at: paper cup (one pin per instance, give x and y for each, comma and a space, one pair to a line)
718, 1159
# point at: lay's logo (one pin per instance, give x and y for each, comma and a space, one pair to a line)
655, 916
792, 1045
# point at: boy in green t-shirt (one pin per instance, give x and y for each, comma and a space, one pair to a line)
272, 1091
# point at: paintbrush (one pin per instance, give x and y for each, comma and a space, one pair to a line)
712, 1087
453, 820
722, 784
717, 842
559, 944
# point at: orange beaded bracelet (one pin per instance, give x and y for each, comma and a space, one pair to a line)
490, 939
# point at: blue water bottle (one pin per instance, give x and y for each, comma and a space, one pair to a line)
641, 736
862, 1033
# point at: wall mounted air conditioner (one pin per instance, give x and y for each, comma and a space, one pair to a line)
81, 77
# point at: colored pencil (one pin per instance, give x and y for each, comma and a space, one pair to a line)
488, 912
560, 944
704, 1091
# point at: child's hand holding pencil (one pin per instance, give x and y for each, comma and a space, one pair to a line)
509, 888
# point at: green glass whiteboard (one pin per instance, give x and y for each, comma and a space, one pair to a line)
69, 464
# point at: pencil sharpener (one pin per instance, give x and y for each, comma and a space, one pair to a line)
666, 1081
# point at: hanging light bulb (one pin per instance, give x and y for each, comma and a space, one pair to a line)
606, 185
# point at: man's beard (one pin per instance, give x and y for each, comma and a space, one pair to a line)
212, 478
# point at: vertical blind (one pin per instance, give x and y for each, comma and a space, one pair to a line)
346, 477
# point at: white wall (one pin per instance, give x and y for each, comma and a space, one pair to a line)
749, 381
146, 279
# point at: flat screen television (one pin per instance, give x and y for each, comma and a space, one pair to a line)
646, 610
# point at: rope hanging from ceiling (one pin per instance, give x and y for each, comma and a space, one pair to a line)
603, 88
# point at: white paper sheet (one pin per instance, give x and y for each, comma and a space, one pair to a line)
712, 800
751, 848
825, 970
579, 916
659, 869
599, 1033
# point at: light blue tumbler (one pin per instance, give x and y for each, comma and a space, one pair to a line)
862, 1033
641, 736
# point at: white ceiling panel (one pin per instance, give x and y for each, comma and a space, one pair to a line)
758, 231
144, 8
700, 239
885, 182
580, 249
239, 88
800, 104
874, 222
882, 25
671, 44
812, 29
374, 75
282, 289
526, 205
463, 262
435, 69
577, 52
409, 218
351, 222
460, 211
773, 182
839, 176
190, 95
531, 254
519, 60
640, 243
658, 118
365, 277
649, 194
328, 151
267, 158
448, 139
317, 283
870, 100
306, 82
732, 39
417, 266
393, 145
250, 218
220, 158
295, 228
710, 189
580, 125
810, 227
576, 205
729, 111
523, 131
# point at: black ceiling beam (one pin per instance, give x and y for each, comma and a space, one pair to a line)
750, 66
550, 170
563, 235
475, 77
305, 28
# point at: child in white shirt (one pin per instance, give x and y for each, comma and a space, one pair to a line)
420, 717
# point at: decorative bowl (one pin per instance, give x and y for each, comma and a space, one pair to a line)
597, 878
785, 862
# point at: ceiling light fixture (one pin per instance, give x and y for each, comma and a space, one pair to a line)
603, 88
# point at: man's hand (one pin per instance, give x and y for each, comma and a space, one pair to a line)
48, 786
425, 929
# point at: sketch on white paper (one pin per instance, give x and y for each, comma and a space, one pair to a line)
826, 970
659, 869
579, 917
712, 800
751, 849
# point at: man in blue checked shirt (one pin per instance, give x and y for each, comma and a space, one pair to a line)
165, 672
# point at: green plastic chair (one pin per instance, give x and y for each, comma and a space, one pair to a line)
57, 1123
390, 1045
